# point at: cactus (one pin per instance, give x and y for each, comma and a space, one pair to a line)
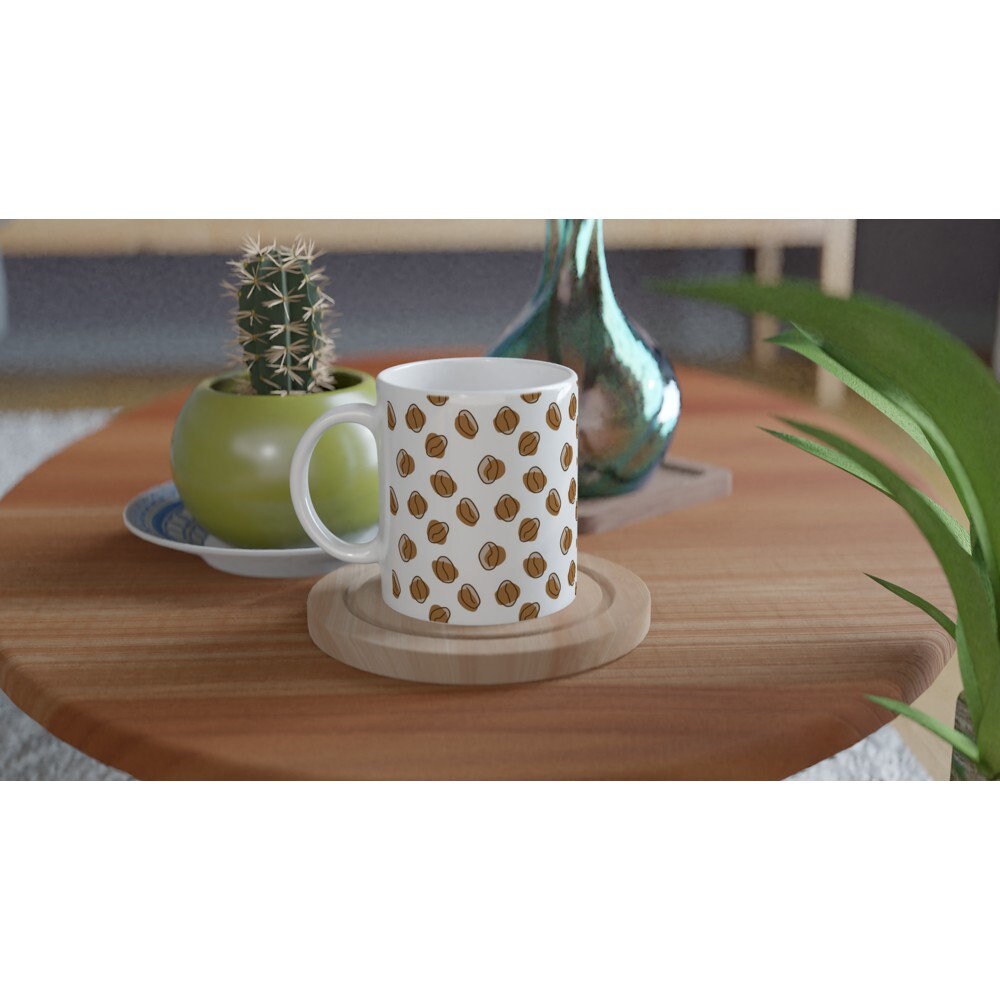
280, 311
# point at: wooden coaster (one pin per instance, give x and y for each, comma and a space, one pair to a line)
676, 484
349, 621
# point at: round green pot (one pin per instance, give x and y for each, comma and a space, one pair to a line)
231, 455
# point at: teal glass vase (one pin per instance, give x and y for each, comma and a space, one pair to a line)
629, 398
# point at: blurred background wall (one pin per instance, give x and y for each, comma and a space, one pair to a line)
97, 301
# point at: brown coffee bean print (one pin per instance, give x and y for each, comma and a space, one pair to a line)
534, 479
393, 502
442, 484
572, 407
437, 532
528, 444
566, 540
390, 416
416, 505
444, 569
438, 614
552, 502
437, 400
571, 574
395, 584
415, 418
490, 469
571, 492
467, 511
531, 397
506, 508
407, 548
419, 590
468, 597
491, 555
552, 586
553, 417
435, 445
528, 531
506, 420
528, 611
534, 565
465, 424
507, 593
405, 463
566, 456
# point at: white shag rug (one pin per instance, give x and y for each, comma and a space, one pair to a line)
29, 752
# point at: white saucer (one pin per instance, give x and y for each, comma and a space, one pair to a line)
159, 516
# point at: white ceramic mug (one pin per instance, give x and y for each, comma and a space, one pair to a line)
477, 487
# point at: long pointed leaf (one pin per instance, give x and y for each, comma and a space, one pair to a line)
936, 379
840, 461
800, 341
918, 602
958, 740
970, 589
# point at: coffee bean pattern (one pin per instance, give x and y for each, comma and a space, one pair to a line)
407, 548
565, 540
416, 505
442, 484
467, 511
534, 565
524, 455
528, 443
491, 469
405, 463
507, 593
465, 424
444, 569
468, 597
534, 479
437, 532
435, 445
415, 418
491, 555
506, 508
506, 420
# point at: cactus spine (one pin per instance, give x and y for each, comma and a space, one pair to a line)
280, 310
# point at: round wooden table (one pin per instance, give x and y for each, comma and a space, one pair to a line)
765, 633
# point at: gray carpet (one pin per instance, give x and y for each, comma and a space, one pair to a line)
27, 751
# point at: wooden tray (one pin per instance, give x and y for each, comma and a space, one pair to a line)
676, 484
349, 621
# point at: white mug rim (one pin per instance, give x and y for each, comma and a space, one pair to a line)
558, 377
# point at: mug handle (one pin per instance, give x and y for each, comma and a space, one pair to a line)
353, 552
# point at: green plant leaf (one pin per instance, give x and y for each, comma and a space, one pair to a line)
840, 461
971, 590
939, 383
918, 602
958, 740
799, 340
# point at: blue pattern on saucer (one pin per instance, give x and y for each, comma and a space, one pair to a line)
160, 511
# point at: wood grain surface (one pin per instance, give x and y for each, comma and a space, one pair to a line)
349, 620
765, 633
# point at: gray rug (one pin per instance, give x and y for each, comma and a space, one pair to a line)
29, 752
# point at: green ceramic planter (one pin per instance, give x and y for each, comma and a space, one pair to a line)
231, 455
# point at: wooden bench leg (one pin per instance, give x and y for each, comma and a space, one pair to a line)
768, 263
836, 277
